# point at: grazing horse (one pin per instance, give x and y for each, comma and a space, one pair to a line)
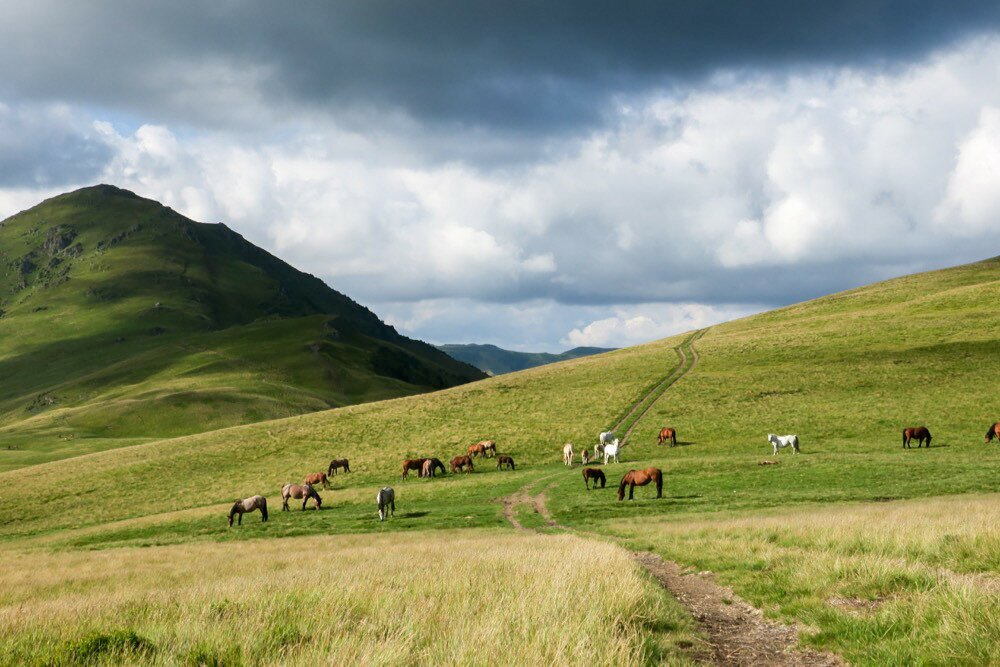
463, 463
489, 447
338, 463
585, 457
568, 454
593, 474
667, 433
782, 441
994, 432
430, 465
295, 491
919, 432
634, 478
598, 452
251, 504
386, 500
611, 451
607, 437
318, 478
478, 449
412, 464
505, 460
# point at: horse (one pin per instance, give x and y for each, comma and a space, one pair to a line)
241, 507
430, 465
386, 499
994, 432
611, 451
782, 441
412, 464
919, 432
478, 449
295, 491
505, 460
584, 457
607, 437
634, 478
598, 451
462, 462
568, 454
318, 478
489, 447
338, 463
667, 433
593, 474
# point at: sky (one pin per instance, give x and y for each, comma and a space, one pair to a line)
533, 175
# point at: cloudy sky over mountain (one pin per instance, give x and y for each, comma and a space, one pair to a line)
535, 175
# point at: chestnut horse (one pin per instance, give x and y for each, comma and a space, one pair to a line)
478, 449
504, 460
295, 491
919, 432
251, 504
430, 465
634, 478
667, 433
593, 474
338, 463
412, 464
318, 478
584, 457
994, 432
462, 463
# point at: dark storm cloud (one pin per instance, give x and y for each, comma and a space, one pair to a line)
45, 148
526, 66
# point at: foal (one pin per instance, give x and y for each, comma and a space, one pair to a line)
505, 460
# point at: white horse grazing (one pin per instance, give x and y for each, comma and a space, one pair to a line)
611, 451
386, 499
782, 441
568, 454
607, 437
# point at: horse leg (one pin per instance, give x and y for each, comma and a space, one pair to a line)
631, 490
239, 519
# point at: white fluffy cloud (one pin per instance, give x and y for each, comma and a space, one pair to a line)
646, 322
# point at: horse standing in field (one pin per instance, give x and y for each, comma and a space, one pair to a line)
463, 463
918, 433
994, 432
505, 460
611, 451
295, 491
634, 478
568, 454
478, 449
489, 447
386, 500
782, 441
412, 464
598, 452
667, 433
251, 504
593, 474
585, 457
318, 478
607, 437
338, 463
430, 465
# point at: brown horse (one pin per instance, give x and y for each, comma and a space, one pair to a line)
920, 433
667, 433
251, 504
505, 460
412, 464
593, 474
478, 449
318, 478
634, 478
295, 491
338, 463
462, 463
994, 432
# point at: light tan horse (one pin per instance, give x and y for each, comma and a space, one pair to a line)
568, 454
251, 504
295, 491
489, 447
318, 478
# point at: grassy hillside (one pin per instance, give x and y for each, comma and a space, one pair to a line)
497, 361
846, 373
121, 320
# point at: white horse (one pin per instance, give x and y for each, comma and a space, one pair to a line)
607, 437
568, 454
611, 451
386, 499
782, 441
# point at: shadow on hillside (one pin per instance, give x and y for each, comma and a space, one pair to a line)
413, 515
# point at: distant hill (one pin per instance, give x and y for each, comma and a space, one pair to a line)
122, 319
496, 361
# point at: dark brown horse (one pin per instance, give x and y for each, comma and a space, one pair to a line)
412, 464
430, 466
478, 449
295, 491
338, 463
461, 463
318, 478
505, 460
593, 474
241, 507
994, 432
634, 478
667, 433
919, 433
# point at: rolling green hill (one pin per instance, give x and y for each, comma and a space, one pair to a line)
495, 360
121, 321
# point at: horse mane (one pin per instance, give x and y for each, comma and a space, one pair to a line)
625, 480
232, 510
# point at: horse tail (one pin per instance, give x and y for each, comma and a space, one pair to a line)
904, 437
263, 508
